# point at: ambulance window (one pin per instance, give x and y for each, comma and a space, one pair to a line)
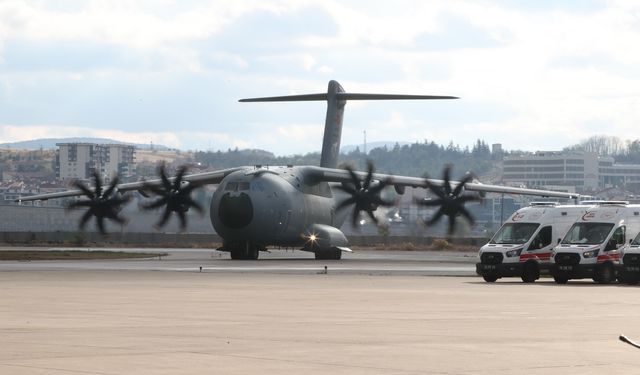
618, 235
542, 239
636, 241
587, 233
514, 233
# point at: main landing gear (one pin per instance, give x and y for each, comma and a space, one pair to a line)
244, 250
328, 254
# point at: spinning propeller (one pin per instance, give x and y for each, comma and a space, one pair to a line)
175, 196
365, 196
102, 204
450, 201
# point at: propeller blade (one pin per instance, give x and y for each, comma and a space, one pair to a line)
364, 195
450, 202
101, 204
447, 179
467, 178
174, 196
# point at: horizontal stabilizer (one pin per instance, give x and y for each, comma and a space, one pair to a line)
345, 96
288, 98
356, 96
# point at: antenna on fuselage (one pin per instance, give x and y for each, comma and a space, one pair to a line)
336, 99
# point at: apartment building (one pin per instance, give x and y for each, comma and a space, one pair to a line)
79, 160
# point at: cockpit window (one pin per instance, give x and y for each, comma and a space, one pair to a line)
237, 186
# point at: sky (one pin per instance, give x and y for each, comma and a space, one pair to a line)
532, 75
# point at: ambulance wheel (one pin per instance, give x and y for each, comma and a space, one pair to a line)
490, 278
559, 279
530, 272
621, 278
605, 274
627, 278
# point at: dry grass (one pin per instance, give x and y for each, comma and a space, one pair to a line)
26, 255
437, 245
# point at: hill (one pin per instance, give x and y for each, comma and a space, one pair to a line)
50, 143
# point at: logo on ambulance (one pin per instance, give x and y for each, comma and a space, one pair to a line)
588, 215
517, 217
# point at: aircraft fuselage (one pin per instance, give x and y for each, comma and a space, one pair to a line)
271, 207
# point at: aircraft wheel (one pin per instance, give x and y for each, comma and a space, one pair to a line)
530, 272
252, 252
337, 254
321, 255
236, 254
328, 254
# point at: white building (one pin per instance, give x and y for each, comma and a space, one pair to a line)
79, 160
75, 160
571, 171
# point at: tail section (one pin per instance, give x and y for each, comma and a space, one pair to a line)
336, 99
332, 126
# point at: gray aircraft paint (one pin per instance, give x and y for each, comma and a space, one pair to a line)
332, 127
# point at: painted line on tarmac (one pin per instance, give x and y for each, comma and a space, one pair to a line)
321, 269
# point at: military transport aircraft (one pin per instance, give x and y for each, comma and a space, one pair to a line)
291, 206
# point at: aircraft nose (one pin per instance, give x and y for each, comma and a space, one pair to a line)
235, 211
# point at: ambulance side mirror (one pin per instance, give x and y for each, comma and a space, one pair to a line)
559, 240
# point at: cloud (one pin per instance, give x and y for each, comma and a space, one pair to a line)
15, 133
533, 75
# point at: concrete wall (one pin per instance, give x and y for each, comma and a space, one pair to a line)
53, 219
54, 225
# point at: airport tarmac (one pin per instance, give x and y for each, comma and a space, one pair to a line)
452, 263
157, 320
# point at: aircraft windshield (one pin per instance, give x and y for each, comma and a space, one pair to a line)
587, 233
514, 233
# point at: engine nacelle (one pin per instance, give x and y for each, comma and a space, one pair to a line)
322, 236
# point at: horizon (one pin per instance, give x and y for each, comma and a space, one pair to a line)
349, 148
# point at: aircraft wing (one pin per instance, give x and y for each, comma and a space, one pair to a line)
317, 174
197, 179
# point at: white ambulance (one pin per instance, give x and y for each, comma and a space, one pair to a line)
522, 246
592, 246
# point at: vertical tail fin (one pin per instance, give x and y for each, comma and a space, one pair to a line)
336, 99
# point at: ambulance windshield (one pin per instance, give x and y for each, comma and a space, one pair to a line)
636, 241
587, 233
514, 233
